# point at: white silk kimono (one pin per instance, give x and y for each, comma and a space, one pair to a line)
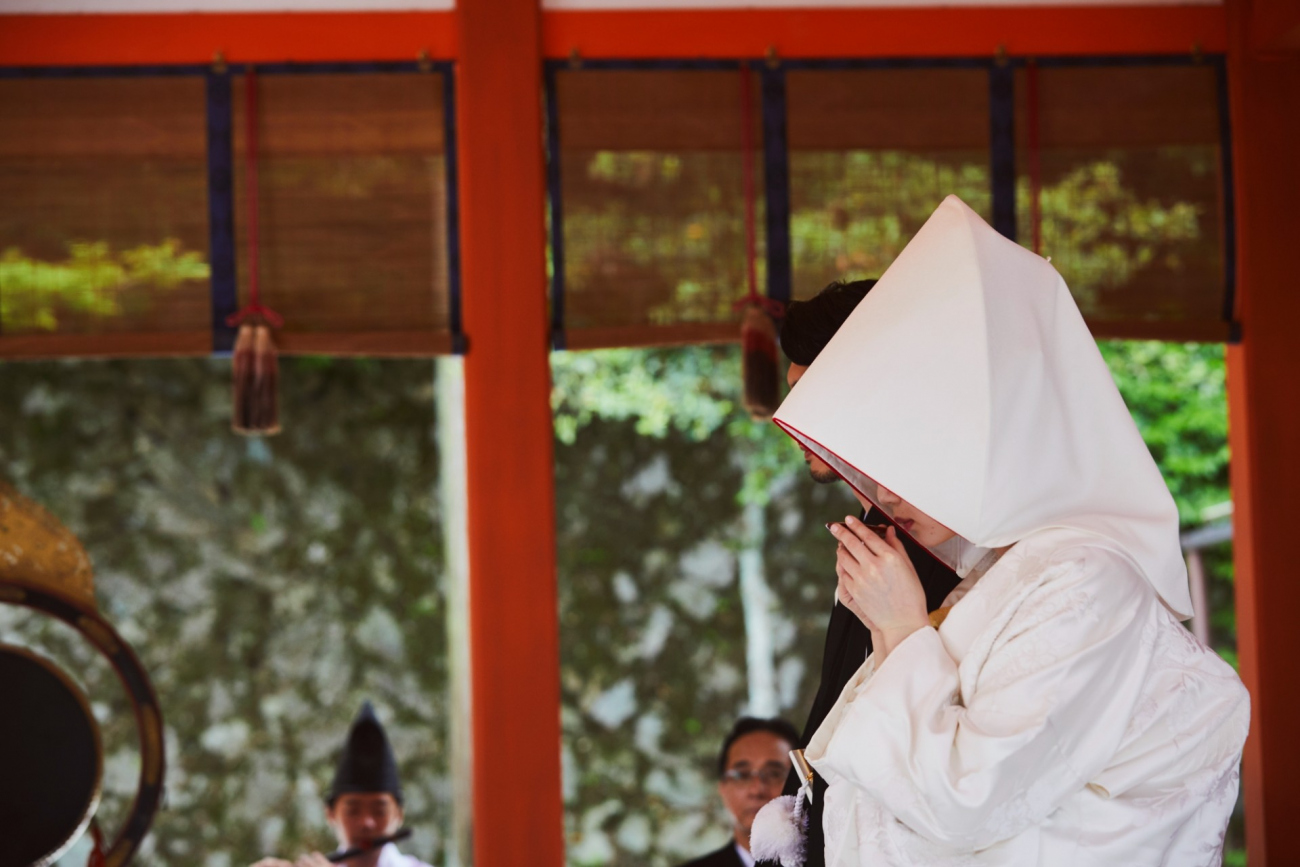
1060, 715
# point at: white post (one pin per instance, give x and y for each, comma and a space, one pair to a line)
449, 408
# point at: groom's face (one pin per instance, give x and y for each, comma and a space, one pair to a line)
817, 468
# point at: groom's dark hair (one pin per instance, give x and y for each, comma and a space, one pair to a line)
809, 325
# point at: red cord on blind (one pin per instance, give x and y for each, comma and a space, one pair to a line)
759, 365
256, 369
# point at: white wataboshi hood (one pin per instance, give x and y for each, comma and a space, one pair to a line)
967, 383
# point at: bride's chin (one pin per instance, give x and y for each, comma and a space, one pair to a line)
935, 538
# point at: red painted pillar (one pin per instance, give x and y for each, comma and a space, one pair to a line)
1264, 412
514, 634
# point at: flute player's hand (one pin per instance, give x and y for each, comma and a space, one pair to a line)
313, 859
273, 862
879, 578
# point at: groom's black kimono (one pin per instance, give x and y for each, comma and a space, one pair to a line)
847, 644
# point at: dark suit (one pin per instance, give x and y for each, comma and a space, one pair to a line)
724, 857
847, 644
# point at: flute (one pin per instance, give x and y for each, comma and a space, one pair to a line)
879, 529
377, 843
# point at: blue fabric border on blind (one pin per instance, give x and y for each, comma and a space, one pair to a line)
342, 67
847, 63
221, 211
220, 159
554, 193
776, 185
451, 158
555, 204
101, 71
1002, 147
1228, 185
699, 64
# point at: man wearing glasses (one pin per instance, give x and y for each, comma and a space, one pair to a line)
752, 768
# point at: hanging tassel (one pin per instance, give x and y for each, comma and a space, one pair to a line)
242, 375
256, 370
266, 381
759, 363
760, 367
257, 380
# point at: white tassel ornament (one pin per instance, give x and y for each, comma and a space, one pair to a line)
778, 832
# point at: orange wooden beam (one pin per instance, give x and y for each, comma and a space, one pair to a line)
514, 633
1275, 27
120, 39
1264, 425
1245, 579
260, 37
884, 32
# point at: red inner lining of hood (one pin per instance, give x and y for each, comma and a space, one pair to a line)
794, 434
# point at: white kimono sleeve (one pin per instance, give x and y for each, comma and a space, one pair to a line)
971, 758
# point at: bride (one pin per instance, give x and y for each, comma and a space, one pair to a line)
1059, 713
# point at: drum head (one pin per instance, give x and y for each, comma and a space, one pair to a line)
50, 760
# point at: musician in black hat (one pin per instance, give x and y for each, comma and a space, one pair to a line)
364, 805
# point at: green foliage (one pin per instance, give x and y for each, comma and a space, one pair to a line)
855, 211
653, 630
665, 228
858, 210
693, 390
688, 391
1178, 398
656, 454
626, 415
1101, 233
1175, 392
268, 586
93, 281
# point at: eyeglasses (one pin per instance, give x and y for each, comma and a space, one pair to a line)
769, 775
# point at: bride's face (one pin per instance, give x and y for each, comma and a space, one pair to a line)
918, 524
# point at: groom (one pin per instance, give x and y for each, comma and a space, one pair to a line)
808, 327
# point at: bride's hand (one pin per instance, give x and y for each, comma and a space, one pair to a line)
879, 584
